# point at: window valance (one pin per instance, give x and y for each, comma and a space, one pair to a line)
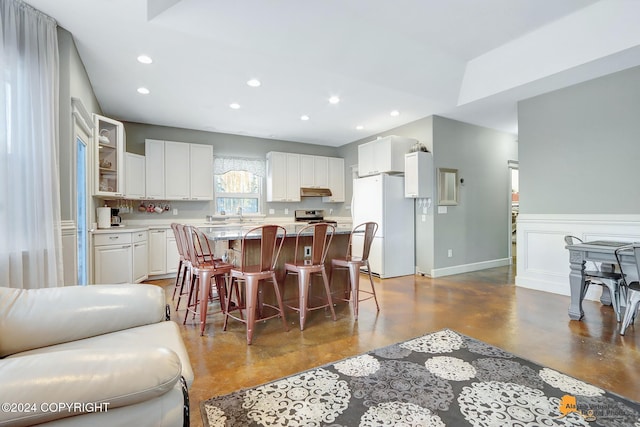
222, 165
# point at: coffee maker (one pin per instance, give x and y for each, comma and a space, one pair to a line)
115, 218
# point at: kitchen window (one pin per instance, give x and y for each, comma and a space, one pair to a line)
238, 185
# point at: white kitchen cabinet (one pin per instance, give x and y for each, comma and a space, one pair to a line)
336, 179
201, 172
140, 256
283, 177
176, 183
154, 169
314, 171
109, 157
163, 252
134, 176
383, 155
418, 175
178, 170
173, 256
120, 257
112, 257
157, 252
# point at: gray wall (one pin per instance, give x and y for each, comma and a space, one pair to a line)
227, 145
422, 130
478, 228
579, 148
74, 83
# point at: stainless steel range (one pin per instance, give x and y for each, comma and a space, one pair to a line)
313, 216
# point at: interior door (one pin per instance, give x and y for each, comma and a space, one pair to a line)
82, 200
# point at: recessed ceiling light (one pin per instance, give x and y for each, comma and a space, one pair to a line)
359, 127
234, 105
334, 100
144, 59
304, 117
395, 113
143, 90
254, 83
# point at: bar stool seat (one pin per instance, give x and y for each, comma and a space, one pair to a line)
321, 240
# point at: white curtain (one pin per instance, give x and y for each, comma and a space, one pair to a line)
222, 165
30, 237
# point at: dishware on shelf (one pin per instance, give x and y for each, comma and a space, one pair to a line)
104, 137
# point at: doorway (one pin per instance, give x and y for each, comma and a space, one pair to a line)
81, 213
82, 131
514, 208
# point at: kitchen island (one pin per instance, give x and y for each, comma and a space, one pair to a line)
229, 238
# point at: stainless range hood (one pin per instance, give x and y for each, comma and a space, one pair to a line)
314, 192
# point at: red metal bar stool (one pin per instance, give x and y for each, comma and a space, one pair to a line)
204, 268
250, 274
353, 263
322, 234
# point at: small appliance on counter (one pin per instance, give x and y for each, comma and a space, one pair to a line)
314, 216
104, 217
115, 218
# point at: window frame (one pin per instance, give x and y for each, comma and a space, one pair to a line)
260, 196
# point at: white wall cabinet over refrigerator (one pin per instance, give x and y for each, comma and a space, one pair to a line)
283, 177
418, 175
109, 157
383, 155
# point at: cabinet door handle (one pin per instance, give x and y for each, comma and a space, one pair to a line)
114, 237
126, 246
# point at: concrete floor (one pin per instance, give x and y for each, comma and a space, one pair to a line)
485, 305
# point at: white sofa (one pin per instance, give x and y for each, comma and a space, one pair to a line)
99, 355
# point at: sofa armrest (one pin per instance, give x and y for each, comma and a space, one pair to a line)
34, 318
44, 387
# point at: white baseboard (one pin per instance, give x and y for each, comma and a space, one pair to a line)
466, 268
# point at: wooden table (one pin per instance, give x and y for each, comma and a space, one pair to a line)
598, 251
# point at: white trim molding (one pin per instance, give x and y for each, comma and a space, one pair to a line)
69, 252
465, 268
542, 259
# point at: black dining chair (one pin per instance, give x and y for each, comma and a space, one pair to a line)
631, 289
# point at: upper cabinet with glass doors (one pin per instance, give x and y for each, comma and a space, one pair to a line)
109, 157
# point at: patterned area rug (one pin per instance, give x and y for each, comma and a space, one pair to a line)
440, 379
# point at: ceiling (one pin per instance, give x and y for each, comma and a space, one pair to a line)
463, 59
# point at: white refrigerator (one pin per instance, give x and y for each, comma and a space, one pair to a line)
380, 198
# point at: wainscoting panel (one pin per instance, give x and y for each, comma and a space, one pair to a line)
542, 259
69, 248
